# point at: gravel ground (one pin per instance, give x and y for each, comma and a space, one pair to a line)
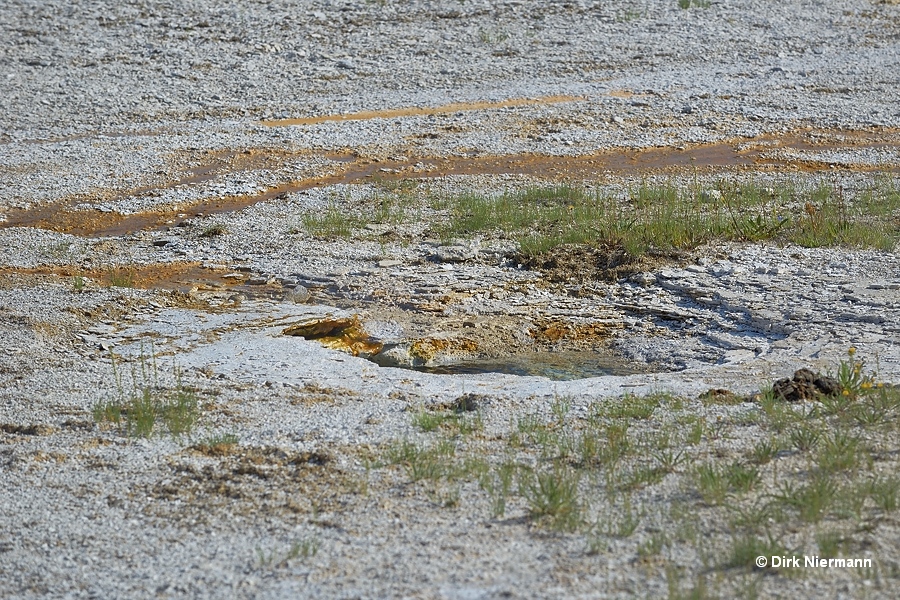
153, 142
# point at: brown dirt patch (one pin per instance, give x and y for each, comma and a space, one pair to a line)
572, 263
27, 429
421, 111
735, 155
247, 480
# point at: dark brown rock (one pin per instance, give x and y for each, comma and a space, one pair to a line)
805, 376
468, 403
786, 390
828, 386
805, 385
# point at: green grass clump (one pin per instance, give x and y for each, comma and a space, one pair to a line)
830, 543
764, 451
830, 219
641, 476
499, 484
840, 451
423, 462
109, 411
624, 522
746, 548
603, 445
665, 217
804, 438
333, 223
146, 406
456, 422
214, 231
142, 412
812, 500
778, 415
429, 421
398, 206
668, 459
885, 493
716, 482
303, 549
553, 494
120, 277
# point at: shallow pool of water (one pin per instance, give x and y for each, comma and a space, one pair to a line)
558, 366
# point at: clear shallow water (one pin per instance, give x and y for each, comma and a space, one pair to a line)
558, 366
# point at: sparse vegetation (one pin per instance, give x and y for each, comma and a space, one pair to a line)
220, 443
796, 487
553, 494
143, 407
493, 36
885, 493
454, 421
763, 452
214, 231
651, 218
334, 222
120, 277
274, 558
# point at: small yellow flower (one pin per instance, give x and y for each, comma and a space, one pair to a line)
865, 385
846, 392
851, 351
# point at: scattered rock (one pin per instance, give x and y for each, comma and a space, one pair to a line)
644, 279
298, 295
468, 403
451, 254
27, 429
806, 385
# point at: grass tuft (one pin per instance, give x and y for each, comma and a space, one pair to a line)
145, 406
214, 231
812, 500
120, 277
553, 494
333, 223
